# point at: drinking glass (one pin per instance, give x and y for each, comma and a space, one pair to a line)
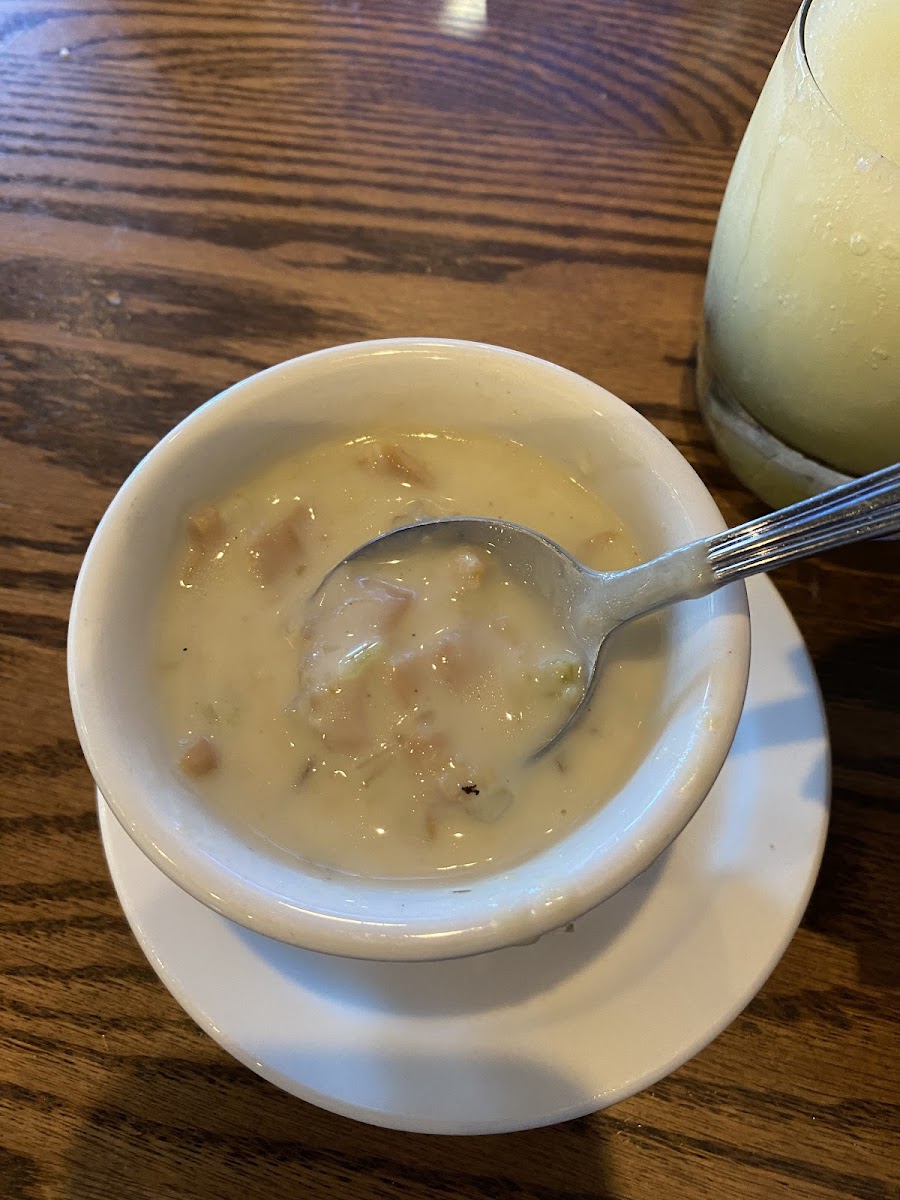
799, 362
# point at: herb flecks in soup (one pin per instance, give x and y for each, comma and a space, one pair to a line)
383, 727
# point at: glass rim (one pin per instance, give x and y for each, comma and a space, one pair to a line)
864, 142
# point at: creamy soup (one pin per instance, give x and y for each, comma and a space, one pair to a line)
383, 724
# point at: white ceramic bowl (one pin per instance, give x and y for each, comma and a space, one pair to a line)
408, 383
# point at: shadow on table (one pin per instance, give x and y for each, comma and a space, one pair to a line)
857, 900
174, 1128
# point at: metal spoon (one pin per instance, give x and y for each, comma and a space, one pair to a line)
591, 604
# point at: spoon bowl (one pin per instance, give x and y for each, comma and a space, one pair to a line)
589, 605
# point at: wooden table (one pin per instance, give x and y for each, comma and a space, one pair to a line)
194, 189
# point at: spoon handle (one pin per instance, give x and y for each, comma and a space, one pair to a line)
865, 508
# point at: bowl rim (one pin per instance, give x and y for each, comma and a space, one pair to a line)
252, 904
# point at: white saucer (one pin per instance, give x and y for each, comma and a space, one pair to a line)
536, 1034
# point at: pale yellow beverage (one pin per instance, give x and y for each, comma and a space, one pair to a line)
802, 305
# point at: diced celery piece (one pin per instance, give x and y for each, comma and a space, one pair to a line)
559, 676
360, 659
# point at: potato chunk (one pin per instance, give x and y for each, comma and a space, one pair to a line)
394, 460
385, 604
205, 525
199, 757
205, 534
468, 568
281, 547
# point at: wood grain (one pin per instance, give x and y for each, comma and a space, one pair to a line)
191, 191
